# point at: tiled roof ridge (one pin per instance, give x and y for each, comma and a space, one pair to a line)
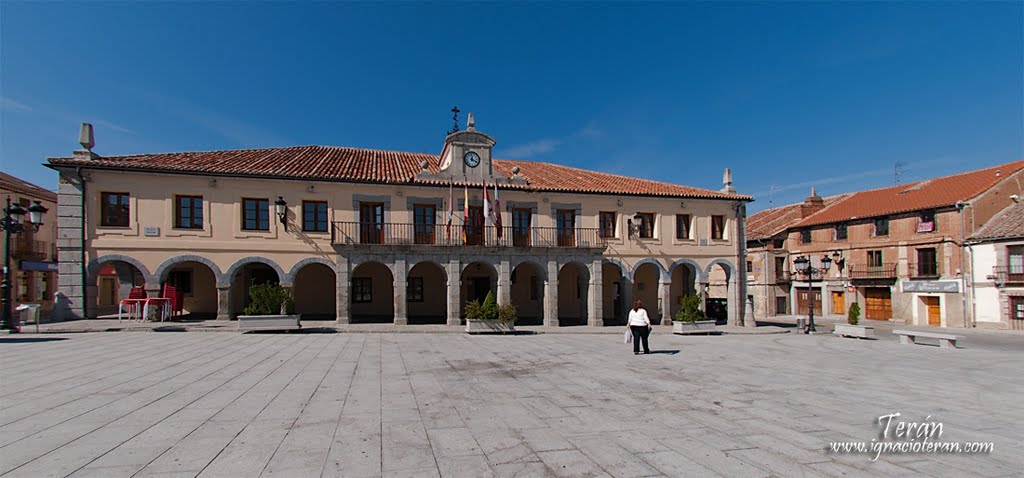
990, 230
924, 182
22, 186
829, 202
244, 150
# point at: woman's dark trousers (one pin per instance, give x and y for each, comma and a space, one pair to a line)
640, 332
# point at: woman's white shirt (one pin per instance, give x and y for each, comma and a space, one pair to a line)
639, 317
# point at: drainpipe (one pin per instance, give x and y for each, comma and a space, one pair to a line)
961, 206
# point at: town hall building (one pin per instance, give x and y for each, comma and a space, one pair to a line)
362, 235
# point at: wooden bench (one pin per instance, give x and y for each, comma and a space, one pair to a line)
946, 341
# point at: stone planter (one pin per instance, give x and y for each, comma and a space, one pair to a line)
488, 326
691, 327
268, 322
859, 331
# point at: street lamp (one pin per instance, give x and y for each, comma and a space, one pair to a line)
281, 208
803, 266
13, 223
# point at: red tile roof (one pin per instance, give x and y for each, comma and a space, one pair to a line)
921, 195
1009, 223
332, 163
769, 222
20, 186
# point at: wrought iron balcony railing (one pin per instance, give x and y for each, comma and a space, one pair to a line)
864, 271
22, 248
1009, 275
458, 235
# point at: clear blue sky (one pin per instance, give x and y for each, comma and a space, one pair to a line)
788, 95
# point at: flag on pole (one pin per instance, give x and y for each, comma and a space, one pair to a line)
465, 211
497, 210
451, 212
487, 213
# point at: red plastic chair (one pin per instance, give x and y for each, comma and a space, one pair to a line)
133, 304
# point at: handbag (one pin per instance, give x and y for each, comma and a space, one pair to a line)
629, 337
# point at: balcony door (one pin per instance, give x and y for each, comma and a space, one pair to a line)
424, 216
521, 227
565, 222
371, 223
475, 226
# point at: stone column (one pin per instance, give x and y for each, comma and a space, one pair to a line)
551, 296
703, 293
595, 296
626, 299
737, 300
224, 302
454, 292
504, 283
341, 284
400, 288
290, 290
73, 302
665, 300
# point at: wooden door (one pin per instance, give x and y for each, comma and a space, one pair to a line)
371, 223
803, 301
838, 303
877, 303
475, 226
108, 291
934, 311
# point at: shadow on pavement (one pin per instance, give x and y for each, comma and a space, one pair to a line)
29, 340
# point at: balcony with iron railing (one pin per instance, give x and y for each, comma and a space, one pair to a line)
401, 234
1008, 275
924, 270
30, 249
864, 271
782, 276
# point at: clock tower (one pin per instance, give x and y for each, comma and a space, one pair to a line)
466, 157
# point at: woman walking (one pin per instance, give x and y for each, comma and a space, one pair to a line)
640, 325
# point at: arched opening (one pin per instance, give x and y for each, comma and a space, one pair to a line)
613, 301
315, 292
372, 294
645, 289
253, 273
684, 283
197, 283
478, 278
716, 304
573, 287
527, 293
426, 294
114, 280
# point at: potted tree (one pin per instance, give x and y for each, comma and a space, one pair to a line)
272, 308
690, 318
851, 329
489, 317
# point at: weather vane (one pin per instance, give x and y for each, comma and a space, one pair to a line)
455, 119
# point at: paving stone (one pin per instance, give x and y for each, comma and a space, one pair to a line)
552, 404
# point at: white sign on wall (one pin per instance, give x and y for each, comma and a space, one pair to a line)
150, 231
943, 286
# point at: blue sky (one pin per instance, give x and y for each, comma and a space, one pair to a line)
788, 95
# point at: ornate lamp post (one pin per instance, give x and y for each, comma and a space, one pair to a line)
12, 223
803, 266
281, 208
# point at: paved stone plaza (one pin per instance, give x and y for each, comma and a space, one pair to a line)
366, 405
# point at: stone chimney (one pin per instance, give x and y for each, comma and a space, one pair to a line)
87, 140
727, 182
812, 204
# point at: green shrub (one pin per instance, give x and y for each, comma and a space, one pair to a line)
508, 314
689, 310
267, 299
853, 316
474, 311
490, 307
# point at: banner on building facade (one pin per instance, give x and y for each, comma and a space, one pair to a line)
38, 266
943, 286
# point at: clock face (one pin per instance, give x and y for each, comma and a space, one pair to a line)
472, 159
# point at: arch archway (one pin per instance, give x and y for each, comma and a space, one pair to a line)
478, 278
573, 288
427, 294
114, 276
196, 282
527, 292
646, 279
615, 287
246, 275
684, 280
372, 292
315, 291
717, 290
